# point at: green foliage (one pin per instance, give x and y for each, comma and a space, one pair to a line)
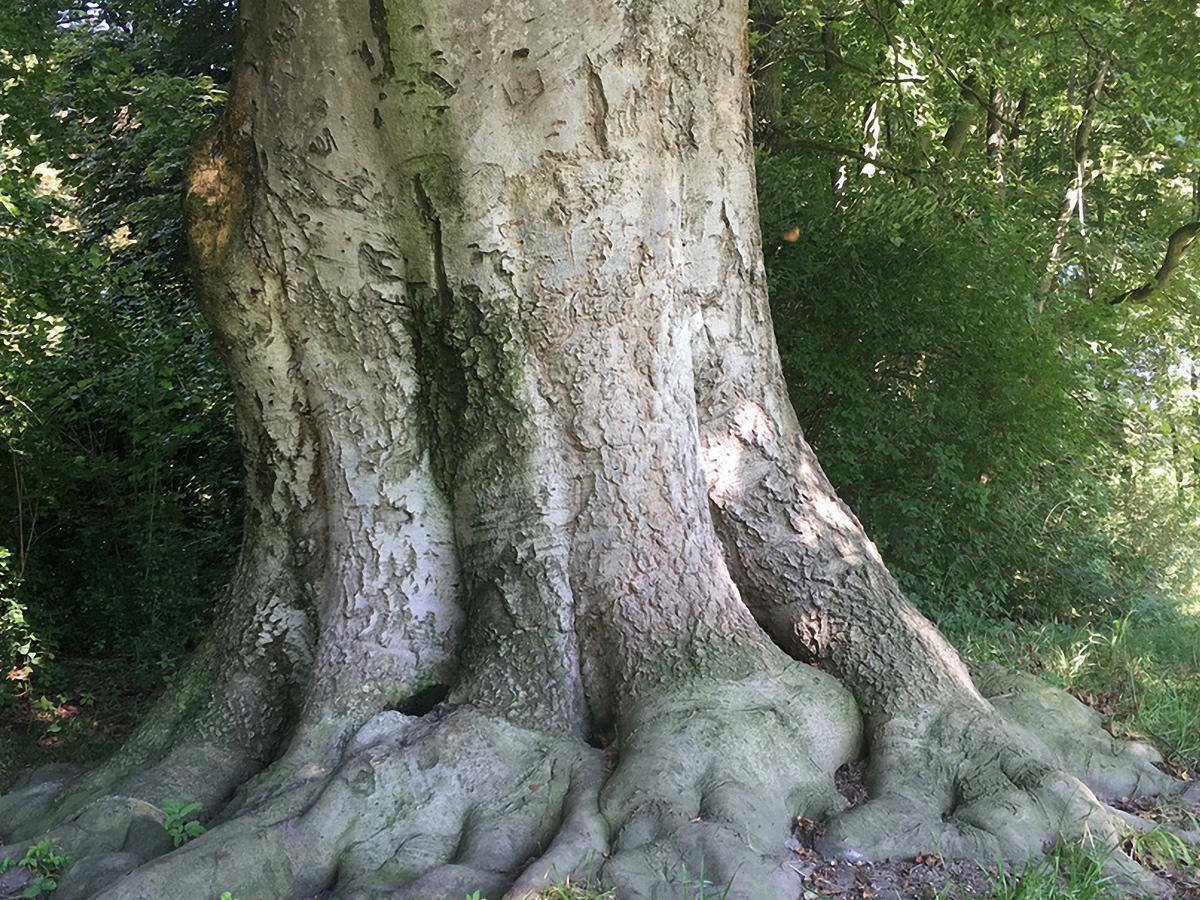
180, 823
1142, 670
577, 890
1015, 444
1161, 848
45, 861
1069, 872
567, 890
20, 648
227, 895
118, 469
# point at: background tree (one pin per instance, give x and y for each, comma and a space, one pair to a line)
1003, 431
119, 474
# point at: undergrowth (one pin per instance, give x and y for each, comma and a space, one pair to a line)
1069, 872
1141, 671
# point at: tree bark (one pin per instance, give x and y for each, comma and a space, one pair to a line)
535, 545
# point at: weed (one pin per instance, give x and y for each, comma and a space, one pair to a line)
705, 889
566, 890
1144, 675
1159, 848
1070, 872
45, 861
179, 823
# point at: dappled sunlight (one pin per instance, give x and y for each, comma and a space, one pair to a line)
721, 459
832, 512
752, 424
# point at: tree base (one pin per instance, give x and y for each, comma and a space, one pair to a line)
701, 790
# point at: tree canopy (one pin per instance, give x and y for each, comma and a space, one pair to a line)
1007, 433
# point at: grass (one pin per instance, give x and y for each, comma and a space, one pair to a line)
1142, 670
593, 890
567, 890
1070, 872
577, 891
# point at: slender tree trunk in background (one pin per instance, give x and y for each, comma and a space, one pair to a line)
960, 126
1016, 130
1194, 417
1072, 204
536, 550
831, 59
994, 137
870, 139
766, 65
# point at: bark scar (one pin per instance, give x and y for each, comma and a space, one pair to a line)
379, 25
597, 108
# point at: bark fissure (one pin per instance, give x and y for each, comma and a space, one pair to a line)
379, 26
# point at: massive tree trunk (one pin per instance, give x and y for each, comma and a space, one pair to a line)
537, 556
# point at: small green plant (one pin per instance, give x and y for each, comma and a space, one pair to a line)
45, 860
474, 895
179, 823
228, 895
20, 651
1159, 847
1070, 872
577, 890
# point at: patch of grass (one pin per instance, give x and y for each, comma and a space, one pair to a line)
568, 890
1070, 872
1141, 671
1160, 849
44, 860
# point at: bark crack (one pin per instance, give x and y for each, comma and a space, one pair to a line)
379, 25
597, 108
440, 365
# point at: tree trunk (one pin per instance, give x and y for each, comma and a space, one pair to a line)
1072, 204
535, 546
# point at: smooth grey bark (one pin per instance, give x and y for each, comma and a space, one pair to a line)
524, 483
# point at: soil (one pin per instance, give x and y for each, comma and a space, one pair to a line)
83, 714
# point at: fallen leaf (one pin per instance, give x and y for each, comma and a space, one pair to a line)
791, 235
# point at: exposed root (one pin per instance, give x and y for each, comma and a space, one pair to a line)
1113, 769
709, 778
94, 816
712, 776
1002, 781
431, 805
